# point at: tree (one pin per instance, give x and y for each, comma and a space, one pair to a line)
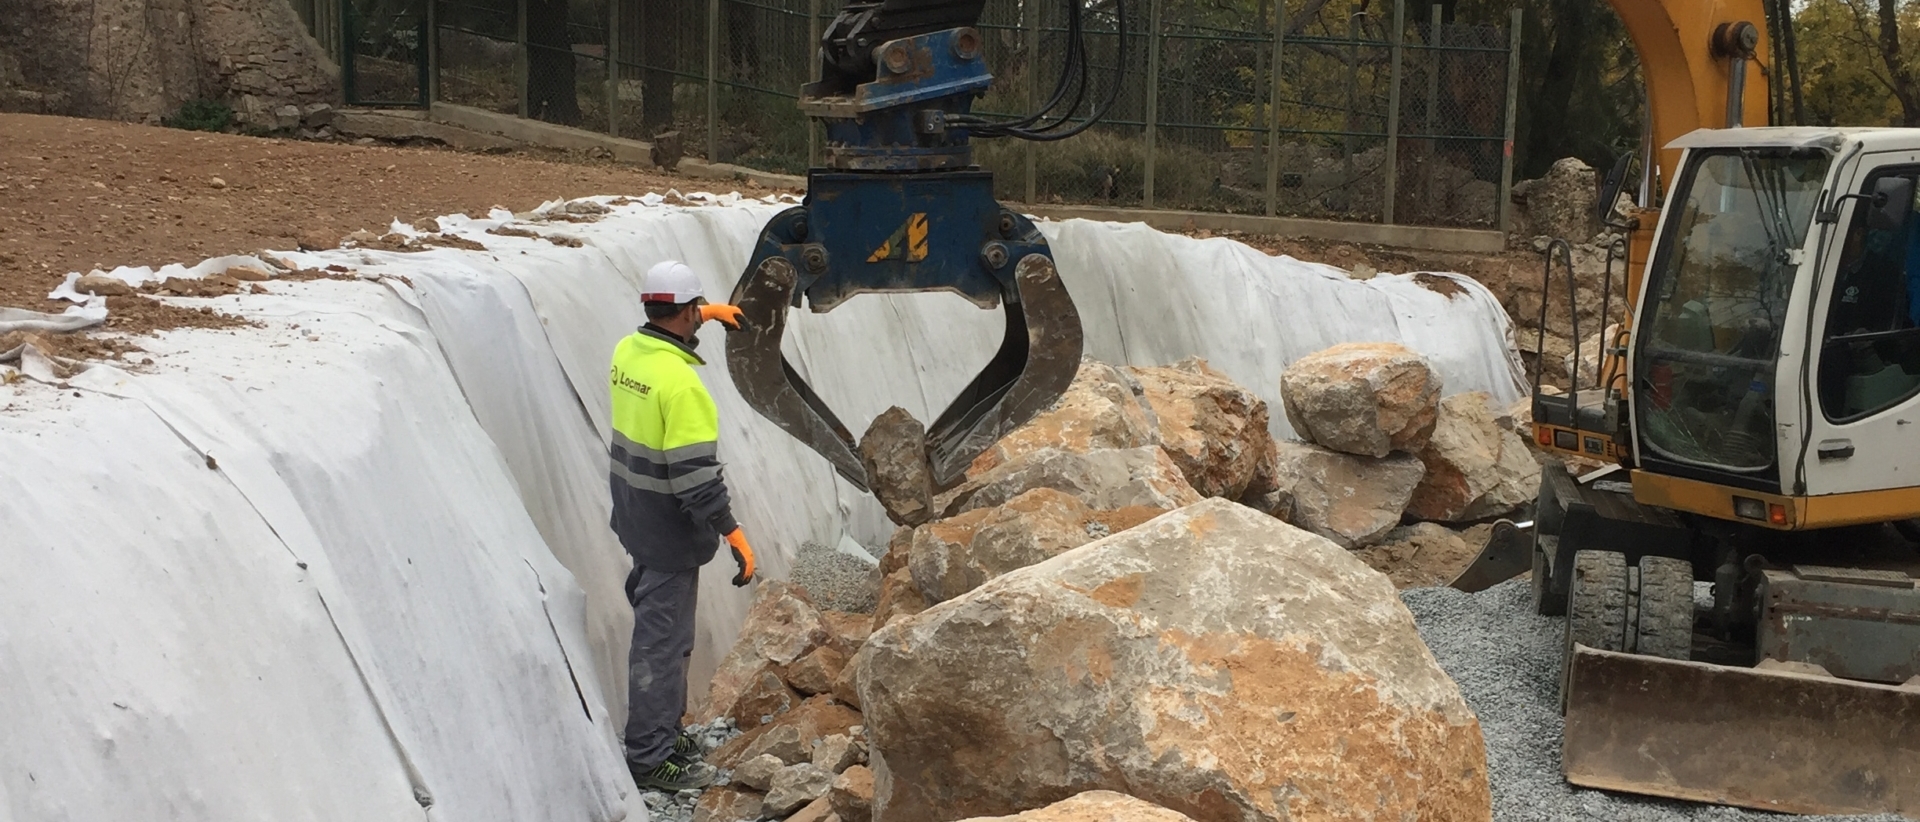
1856, 65
551, 91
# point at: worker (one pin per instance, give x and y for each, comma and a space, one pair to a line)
671, 511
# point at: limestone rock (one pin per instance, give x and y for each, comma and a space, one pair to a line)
898, 598
954, 556
101, 285
1369, 399
790, 736
1105, 479
1094, 806
1351, 500
815, 672
317, 240
781, 627
838, 752
852, 794
757, 773
1474, 469
794, 786
850, 630
1103, 408
1215, 430
846, 686
819, 810
1560, 204
766, 694
894, 450
721, 804
1214, 661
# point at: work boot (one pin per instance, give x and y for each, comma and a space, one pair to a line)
677, 773
689, 747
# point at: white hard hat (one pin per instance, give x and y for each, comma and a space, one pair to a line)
671, 281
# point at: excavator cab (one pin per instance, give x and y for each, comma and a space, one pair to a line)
899, 206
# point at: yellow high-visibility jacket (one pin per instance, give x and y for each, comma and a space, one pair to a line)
670, 504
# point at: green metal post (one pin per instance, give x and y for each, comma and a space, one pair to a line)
713, 81
432, 90
520, 56
1032, 12
1153, 97
1391, 183
1433, 105
613, 68
1351, 123
1513, 106
1273, 110
813, 73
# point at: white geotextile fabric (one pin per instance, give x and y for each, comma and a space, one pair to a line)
287, 578
437, 459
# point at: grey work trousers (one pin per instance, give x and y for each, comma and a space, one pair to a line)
663, 605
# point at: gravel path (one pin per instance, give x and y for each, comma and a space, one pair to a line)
1506, 660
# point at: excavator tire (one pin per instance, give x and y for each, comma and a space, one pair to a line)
1665, 615
1909, 529
1596, 608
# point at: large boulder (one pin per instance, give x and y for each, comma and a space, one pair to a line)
1351, 500
953, 556
1105, 479
1094, 806
1369, 399
782, 625
1474, 468
1214, 661
1215, 430
1103, 408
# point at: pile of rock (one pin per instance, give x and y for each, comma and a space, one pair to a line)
1382, 445
1105, 620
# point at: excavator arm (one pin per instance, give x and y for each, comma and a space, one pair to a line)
899, 206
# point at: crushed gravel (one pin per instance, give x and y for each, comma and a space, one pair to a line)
836, 580
678, 807
1506, 660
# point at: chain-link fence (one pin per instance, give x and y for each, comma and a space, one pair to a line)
1373, 112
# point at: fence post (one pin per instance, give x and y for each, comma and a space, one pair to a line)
1351, 124
1032, 13
432, 91
1153, 97
1432, 184
1392, 183
813, 75
1513, 105
1273, 110
520, 55
613, 68
713, 81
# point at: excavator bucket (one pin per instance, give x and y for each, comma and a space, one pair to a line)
1768, 739
1507, 554
906, 233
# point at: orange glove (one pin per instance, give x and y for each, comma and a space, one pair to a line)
743, 555
728, 314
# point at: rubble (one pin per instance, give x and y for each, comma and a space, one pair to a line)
1474, 469
757, 773
1352, 500
1214, 430
852, 794
1214, 660
722, 804
781, 626
1425, 553
898, 598
791, 735
795, 786
815, 672
837, 752
1103, 408
1369, 399
1094, 806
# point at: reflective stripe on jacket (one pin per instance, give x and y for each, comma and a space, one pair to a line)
670, 504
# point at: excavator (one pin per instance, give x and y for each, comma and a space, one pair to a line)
1742, 625
1728, 637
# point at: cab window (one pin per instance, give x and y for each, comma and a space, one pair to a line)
1870, 353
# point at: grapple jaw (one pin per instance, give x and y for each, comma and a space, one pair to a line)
939, 231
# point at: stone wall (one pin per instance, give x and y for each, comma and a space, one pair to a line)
139, 60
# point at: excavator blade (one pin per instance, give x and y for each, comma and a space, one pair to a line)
1507, 554
1768, 739
1036, 362
768, 382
